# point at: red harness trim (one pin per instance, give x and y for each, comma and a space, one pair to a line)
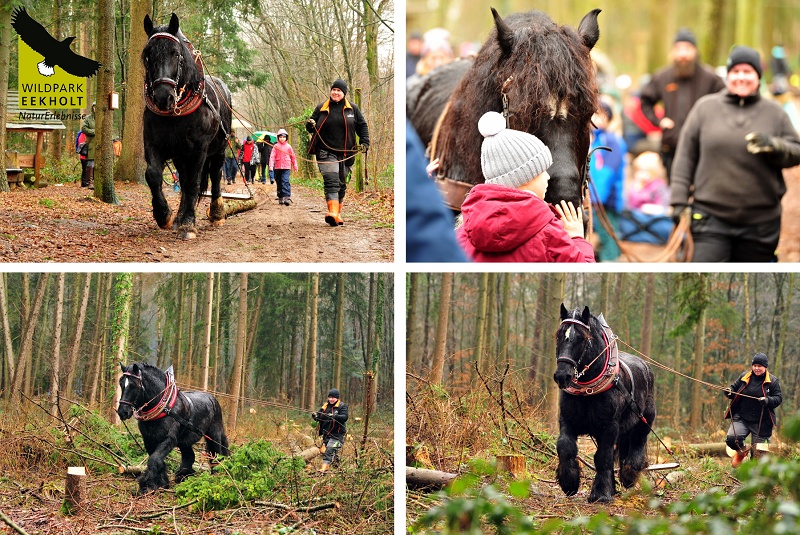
185, 106
167, 402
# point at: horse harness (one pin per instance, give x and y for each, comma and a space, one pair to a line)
610, 376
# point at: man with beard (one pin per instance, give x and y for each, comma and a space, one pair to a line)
677, 86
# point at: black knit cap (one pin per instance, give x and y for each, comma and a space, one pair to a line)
340, 84
333, 393
760, 358
685, 35
744, 54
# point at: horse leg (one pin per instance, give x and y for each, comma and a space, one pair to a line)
187, 461
568, 472
155, 476
635, 458
155, 168
216, 213
189, 186
603, 486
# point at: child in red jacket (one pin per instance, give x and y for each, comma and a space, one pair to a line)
506, 219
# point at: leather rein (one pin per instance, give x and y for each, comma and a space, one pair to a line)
186, 101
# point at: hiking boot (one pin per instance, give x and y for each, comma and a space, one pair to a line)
287, 201
739, 457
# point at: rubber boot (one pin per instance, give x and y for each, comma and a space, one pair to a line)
739, 457
338, 216
333, 213
90, 177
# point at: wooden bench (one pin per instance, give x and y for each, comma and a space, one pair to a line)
16, 164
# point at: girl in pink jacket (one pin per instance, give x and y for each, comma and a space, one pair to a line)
281, 161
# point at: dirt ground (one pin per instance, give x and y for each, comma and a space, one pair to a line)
63, 223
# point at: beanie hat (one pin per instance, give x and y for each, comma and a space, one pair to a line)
685, 35
760, 358
340, 84
744, 54
333, 393
510, 157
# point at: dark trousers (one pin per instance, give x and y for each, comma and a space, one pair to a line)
230, 169
282, 183
667, 156
264, 172
250, 171
740, 430
333, 443
718, 241
334, 175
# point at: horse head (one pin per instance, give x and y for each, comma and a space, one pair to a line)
133, 392
542, 75
574, 345
169, 67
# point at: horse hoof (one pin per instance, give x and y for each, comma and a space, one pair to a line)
600, 499
217, 222
168, 223
188, 235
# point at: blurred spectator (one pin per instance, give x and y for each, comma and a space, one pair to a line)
413, 52
639, 133
778, 64
436, 51
647, 190
678, 86
430, 236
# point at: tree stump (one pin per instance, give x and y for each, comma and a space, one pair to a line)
75, 488
513, 464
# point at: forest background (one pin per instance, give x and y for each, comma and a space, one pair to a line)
705, 325
278, 57
286, 337
634, 36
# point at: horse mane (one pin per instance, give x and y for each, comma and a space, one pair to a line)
159, 52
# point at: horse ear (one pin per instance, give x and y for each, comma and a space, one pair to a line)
586, 316
589, 30
148, 25
121, 365
174, 24
564, 312
505, 35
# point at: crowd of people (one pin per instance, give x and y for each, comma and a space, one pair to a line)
689, 140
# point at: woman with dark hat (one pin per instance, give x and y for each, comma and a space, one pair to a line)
333, 126
754, 397
331, 417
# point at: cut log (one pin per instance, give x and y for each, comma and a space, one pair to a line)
234, 207
131, 470
420, 478
75, 488
309, 453
512, 464
710, 448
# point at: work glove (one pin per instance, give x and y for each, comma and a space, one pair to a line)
364, 147
728, 392
311, 122
315, 416
677, 210
764, 401
758, 143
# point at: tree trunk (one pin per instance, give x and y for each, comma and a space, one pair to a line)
79, 326
784, 325
207, 331
555, 298
241, 337
31, 320
505, 310
55, 365
647, 314
441, 329
696, 402
5, 65
411, 320
123, 291
311, 365
7, 341
480, 326
131, 164
103, 147
339, 332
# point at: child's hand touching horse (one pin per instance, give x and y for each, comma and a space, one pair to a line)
571, 218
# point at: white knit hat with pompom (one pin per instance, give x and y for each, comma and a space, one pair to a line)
510, 157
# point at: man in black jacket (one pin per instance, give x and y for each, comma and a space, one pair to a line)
755, 395
331, 417
678, 86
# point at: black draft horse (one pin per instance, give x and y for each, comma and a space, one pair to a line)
605, 394
169, 417
546, 75
187, 120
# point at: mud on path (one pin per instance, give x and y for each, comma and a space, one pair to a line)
63, 223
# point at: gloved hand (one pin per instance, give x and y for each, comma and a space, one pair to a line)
677, 210
728, 392
363, 147
758, 143
764, 401
315, 416
311, 122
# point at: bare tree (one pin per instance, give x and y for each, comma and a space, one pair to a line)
5, 64
241, 337
207, 322
311, 364
441, 329
103, 149
55, 365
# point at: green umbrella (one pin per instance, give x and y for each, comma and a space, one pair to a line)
265, 136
